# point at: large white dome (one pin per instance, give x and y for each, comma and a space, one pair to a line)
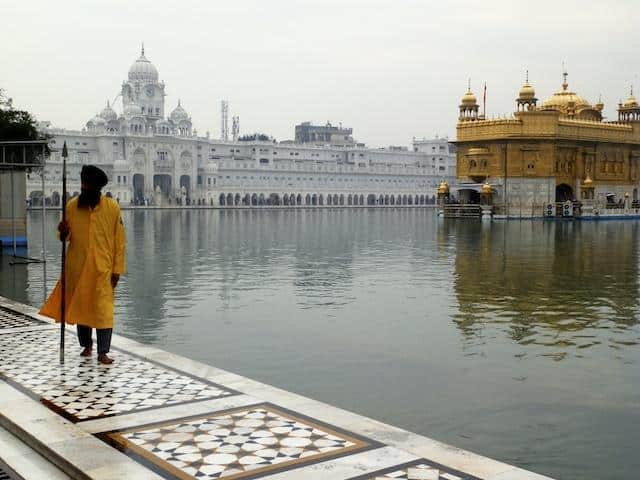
143, 70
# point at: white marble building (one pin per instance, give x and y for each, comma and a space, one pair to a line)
158, 160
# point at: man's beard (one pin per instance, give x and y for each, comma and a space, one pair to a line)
89, 198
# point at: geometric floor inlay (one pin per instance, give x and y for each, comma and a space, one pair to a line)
422, 469
83, 389
246, 442
12, 319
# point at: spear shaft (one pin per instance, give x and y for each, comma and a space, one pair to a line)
63, 277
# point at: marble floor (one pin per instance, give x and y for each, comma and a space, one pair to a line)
12, 319
417, 470
154, 415
82, 389
241, 443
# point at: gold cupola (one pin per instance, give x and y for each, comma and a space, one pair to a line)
629, 111
599, 106
527, 96
468, 106
443, 188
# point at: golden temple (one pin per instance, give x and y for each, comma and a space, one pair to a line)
557, 151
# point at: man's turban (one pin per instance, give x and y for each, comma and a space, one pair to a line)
93, 176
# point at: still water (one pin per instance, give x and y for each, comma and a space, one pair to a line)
519, 340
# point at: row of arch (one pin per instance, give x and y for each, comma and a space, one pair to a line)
54, 200
319, 199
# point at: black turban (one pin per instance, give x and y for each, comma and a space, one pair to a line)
93, 176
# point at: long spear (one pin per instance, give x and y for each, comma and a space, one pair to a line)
63, 279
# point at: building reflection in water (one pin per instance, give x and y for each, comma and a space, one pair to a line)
570, 285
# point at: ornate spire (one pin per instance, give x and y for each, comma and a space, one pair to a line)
142, 52
468, 85
526, 77
565, 85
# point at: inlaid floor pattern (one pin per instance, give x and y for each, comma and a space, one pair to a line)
11, 319
242, 443
417, 470
82, 389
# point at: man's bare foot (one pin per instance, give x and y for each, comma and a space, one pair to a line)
104, 359
86, 352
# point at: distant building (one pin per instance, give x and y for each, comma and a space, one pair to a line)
323, 134
155, 159
558, 151
440, 156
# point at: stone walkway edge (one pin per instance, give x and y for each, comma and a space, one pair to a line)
216, 425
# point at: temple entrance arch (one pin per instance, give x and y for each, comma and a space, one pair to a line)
161, 189
138, 188
468, 195
564, 192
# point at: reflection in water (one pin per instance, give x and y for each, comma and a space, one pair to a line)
448, 328
549, 284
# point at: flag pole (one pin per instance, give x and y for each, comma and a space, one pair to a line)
63, 279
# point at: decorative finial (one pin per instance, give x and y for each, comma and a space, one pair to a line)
142, 53
526, 77
469, 85
178, 102
631, 90
107, 103
564, 77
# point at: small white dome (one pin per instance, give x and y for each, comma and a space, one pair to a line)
108, 113
142, 69
98, 120
179, 114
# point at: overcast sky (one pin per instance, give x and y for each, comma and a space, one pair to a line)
389, 69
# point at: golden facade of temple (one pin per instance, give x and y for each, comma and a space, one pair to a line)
551, 152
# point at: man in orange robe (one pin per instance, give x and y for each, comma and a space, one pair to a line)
95, 261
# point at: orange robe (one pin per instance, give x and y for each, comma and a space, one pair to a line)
96, 250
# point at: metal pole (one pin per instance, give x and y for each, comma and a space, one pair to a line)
13, 215
63, 280
44, 259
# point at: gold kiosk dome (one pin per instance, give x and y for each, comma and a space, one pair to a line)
486, 188
443, 188
630, 102
527, 92
469, 99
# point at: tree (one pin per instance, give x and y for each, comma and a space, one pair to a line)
16, 124
256, 136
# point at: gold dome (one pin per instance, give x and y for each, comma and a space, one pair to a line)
630, 102
564, 100
599, 106
588, 183
527, 92
486, 188
469, 99
443, 188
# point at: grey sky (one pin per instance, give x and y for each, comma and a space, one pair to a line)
389, 69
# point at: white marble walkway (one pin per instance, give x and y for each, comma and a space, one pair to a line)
155, 415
